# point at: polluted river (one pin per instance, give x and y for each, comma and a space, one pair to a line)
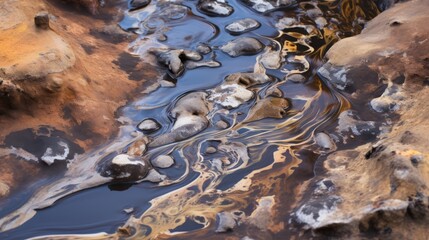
239, 117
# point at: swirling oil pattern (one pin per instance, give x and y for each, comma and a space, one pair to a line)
246, 155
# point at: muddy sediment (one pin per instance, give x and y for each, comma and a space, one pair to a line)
235, 127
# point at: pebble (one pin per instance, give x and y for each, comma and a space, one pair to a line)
242, 26
42, 20
242, 46
222, 124
226, 222
149, 125
163, 161
217, 8
154, 176
211, 150
296, 78
137, 4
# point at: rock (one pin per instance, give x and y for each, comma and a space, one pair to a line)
286, 22
389, 101
247, 79
271, 59
163, 161
216, 8
174, 58
336, 75
42, 20
274, 91
190, 118
222, 124
324, 141
154, 176
242, 25
321, 22
230, 95
124, 168
349, 122
242, 46
128, 210
149, 125
296, 78
209, 63
4, 189
138, 4
226, 222
167, 84
211, 150
138, 147
203, 48
270, 107
263, 6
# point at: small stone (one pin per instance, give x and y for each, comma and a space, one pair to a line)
128, 210
216, 8
203, 49
321, 22
167, 84
4, 189
148, 125
324, 141
209, 63
296, 78
274, 92
138, 148
123, 167
211, 150
154, 176
163, 161
42, 20
137, 4
242, 26
222, 124
226, 222
161, 37
242, 46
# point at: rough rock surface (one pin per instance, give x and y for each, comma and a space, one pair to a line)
58, 77
379, 189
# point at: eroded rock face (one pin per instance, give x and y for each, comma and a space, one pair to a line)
379, 188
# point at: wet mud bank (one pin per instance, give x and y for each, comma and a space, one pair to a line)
251, 120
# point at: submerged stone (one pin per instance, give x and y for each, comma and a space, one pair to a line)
263, 6
296, 78
242, 46
226, 222
270, 107
137, 4
324, 141
162, 161
154, 176
148, 125
123, 167
242, 26
216, 8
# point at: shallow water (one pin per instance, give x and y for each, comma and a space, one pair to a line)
268, 157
